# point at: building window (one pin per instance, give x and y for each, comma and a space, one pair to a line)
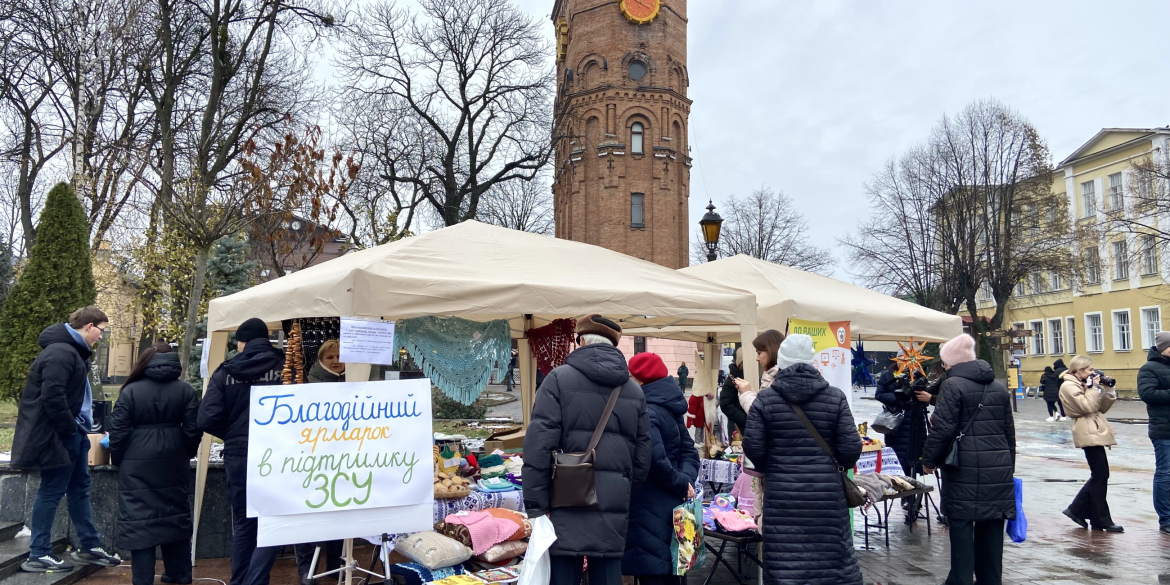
985, 291
1018, 327
1092, 265
1122, 335
1088, 199
637, 210
1050, 215
636, 131
1094, 335
637, 70
1149, 256
1037, 341
1151, 325
1120, 260
1021, 289
639, 345
1038, 283
1055, 282
1072, 335
1116, 196
1056, 336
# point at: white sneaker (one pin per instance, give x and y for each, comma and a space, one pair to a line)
1050, 419
1064, 418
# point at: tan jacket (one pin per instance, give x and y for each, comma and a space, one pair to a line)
1087, 406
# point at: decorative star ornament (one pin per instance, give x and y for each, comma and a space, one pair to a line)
911, 359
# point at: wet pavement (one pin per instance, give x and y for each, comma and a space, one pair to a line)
1056, 552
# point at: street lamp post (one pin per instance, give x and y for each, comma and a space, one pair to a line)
711, 223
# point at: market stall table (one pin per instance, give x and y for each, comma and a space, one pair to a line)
718, 473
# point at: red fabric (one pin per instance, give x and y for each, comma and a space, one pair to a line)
648, 367
696, 417
552, 343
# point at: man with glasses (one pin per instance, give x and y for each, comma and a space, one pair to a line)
55, 417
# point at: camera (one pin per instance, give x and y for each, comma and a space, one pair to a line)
1106, 381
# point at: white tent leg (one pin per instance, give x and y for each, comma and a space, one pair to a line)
217, 351
751, 369
527, 374
357, 372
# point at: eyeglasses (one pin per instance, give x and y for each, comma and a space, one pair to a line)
102, 329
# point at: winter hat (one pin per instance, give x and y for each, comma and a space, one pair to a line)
958, 350
251, 329
598, 325
648, 367
1162, 341
795, 349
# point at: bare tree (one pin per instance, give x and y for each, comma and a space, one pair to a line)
519, 205
1141, 220
766, 225
898, 249
447, 104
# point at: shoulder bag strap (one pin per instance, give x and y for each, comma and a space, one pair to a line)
613, 397
978, 409
813, 431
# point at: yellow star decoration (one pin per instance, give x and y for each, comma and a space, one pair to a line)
911, 359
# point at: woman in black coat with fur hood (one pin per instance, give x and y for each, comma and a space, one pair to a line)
153, 436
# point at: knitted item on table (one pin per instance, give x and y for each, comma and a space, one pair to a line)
495, 484
458, 355
486, 530
490, 472
552, 343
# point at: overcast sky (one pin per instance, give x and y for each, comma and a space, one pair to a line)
811, 98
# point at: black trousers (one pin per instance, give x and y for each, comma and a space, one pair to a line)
250, 564
658, 580
567, 571
1090, 503
330, 556
976, 550
1053, 406
176, 560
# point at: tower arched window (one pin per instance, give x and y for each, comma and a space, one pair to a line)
636, 132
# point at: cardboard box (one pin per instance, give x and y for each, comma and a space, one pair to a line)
507, 441
98, 455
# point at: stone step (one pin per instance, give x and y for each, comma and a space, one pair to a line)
23, 578
14, 551
8, 530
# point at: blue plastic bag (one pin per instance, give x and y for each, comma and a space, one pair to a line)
1018, 529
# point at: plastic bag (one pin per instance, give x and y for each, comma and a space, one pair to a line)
686, 546
537, 567
1018, 529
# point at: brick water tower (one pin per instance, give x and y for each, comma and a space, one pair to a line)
622, 174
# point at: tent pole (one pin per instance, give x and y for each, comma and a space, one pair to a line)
527, 372
216, 353
751, 369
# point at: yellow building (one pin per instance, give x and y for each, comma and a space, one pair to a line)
1111, 312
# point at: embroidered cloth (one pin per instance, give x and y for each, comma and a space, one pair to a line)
552, 343
458, 355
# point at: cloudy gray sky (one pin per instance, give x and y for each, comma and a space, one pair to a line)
812, 97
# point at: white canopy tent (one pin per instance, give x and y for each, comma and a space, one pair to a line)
482, 272
784, 292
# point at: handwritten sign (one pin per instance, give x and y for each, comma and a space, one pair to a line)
367, 342
341, 446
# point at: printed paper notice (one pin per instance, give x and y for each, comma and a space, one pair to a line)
367, 342
204, 358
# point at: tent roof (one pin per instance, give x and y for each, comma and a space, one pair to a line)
483, 272
784, 292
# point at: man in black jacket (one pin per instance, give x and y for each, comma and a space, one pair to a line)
729, 395
568, 407
54, 419
1154, 389
224, 414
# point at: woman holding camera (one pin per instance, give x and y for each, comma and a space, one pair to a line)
1086, 401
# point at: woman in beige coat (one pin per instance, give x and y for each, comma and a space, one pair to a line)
1086, 402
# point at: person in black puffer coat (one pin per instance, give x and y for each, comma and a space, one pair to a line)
568, 407
674, 466
729, 395
807, 536
1153, 382
154, 433
224, 414
899, 440
979, 494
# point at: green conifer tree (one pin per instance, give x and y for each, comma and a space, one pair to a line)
57, 280
228, 272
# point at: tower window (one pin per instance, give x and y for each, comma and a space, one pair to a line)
637, 70
636, 132
637, 210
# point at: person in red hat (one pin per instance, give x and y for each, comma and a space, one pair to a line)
674, 467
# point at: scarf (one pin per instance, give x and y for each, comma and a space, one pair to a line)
769, 375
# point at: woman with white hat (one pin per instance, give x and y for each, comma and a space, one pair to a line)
807, 536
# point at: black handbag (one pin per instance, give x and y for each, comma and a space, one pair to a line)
888, 421
572, 473
854, 496
952, 458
